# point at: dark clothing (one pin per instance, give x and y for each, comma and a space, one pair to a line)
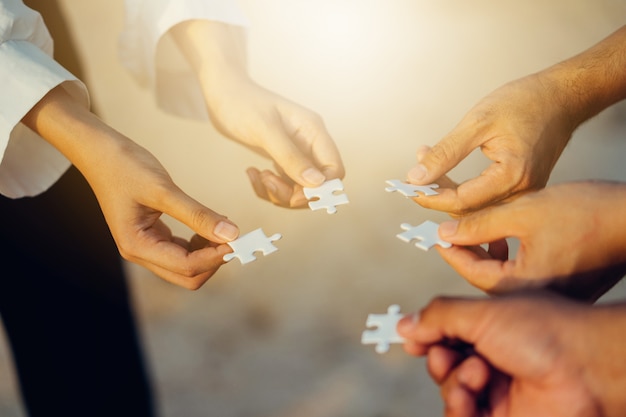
64, 299
65, 307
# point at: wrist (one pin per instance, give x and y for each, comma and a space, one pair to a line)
214, 50
76, 132
565, 88
591, 81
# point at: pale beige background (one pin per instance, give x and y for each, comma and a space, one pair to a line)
280, 337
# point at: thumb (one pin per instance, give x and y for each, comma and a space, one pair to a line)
202, 220
446, 318
435, 162
485, 226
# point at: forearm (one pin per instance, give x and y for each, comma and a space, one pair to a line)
76, 132
591, 81
215, 50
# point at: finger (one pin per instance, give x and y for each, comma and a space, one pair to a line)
298, 199
463, 387
257, 184
495, 184
460, 200
478, 267
192, 271
488, 225
441, 361
457, 200
197, 242
499, 250
444, 200
200, 219
497, 397
447, 318
473, 374
278, 191
283, 192
435, 162
405, 328
324, 151
415, 349
459, 402
298, 166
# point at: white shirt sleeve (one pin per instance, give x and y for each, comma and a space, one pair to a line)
153, 58
28, 164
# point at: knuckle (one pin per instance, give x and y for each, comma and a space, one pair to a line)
440, 152
202, 218
125, 249
436, 303
461, 209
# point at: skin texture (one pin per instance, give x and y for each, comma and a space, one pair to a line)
589, 231
523, 127
292, 137
134, 190
560, 358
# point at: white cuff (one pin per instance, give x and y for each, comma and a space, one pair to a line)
29, 164
153, 58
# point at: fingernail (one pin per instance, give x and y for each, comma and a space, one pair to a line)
448, 228
313, 176
408, 322
226, 231
417, 173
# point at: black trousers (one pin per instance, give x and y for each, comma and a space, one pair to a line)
65, 306
64, 300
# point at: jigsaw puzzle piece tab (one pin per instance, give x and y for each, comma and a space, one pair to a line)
411, 190
247, 245
426, 235
385, 332
325, 196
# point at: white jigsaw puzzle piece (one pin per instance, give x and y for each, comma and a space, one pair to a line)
426, 234
326, 197
385, 332
247, 245
411, 190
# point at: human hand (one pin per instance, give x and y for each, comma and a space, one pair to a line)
521, 127
293, 137
532, 355
134, 190
571, 236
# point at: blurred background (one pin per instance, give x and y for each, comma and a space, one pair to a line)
280, 336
